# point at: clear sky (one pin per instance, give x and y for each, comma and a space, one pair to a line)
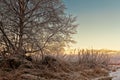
99, 23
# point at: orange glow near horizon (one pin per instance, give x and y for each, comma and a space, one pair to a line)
76, 51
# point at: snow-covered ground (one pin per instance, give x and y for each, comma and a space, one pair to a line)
115, 75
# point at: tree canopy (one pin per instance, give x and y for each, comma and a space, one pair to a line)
28, 26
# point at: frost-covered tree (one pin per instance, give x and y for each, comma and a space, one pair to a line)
28, 26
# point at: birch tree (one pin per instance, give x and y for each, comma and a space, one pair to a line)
28, 26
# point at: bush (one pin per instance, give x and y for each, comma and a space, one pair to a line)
93, 58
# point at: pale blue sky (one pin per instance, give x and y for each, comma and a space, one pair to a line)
99, 23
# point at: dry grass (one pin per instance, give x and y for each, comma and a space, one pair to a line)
83, 66
93, 58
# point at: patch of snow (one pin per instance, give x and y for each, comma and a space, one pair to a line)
115, 75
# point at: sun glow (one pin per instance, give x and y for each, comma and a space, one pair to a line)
78, 50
